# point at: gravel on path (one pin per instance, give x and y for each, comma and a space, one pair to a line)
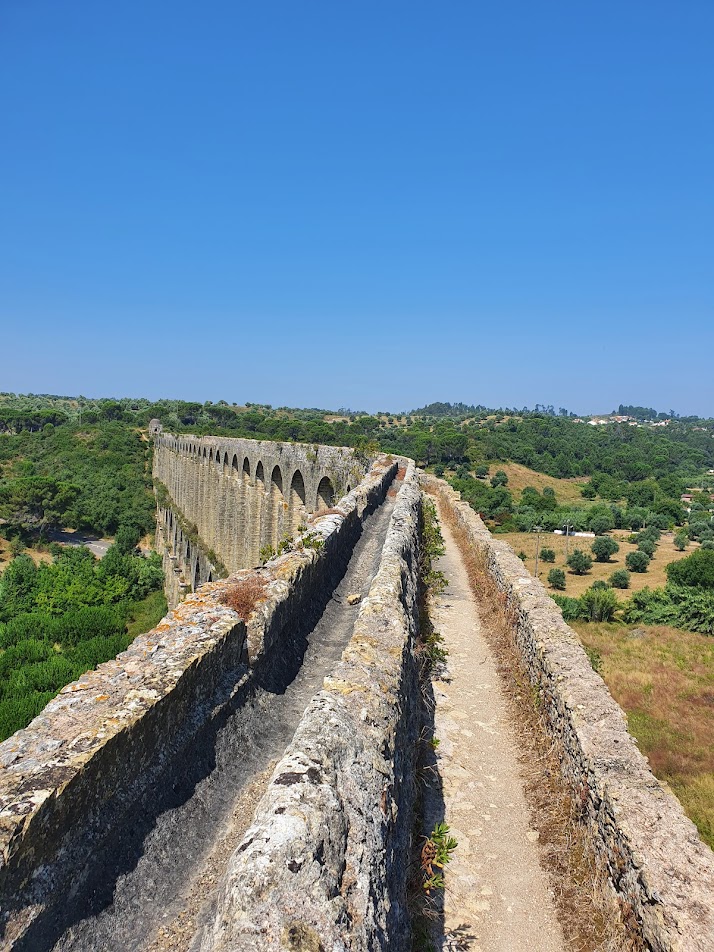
498, 897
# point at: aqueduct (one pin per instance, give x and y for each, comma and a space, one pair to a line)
220, 501
243, 778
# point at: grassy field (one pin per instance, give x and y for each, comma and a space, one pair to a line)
566, 490
575, 585
663, 678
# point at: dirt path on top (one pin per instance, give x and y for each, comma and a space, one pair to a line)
497, 897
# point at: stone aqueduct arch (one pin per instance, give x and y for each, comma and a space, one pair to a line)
230, 497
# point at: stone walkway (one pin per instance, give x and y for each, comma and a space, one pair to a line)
498, 898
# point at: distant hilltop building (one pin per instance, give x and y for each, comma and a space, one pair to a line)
155, 427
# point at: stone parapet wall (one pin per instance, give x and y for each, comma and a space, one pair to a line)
73, 775
660, 870
324, 865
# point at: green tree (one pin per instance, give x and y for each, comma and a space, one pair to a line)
127, 538
620, 579
499, 478
579, 562
18, 587
681, 541
637, 561
601, 519
604, 547
547, 555
648, 547
556, 579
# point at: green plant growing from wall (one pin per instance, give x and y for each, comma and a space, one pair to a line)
311, 540
436, 852
266, 553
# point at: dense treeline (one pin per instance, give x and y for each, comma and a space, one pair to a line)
58, 620
441, 432
94, 477
92, 470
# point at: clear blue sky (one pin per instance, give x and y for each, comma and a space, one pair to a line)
374, 204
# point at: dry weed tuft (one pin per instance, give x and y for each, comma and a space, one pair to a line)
245, 595
332, 511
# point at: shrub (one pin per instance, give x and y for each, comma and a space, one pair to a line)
599, 585
89, 622
681, 541
688, 608
598, 604
579, 562
569, 607
522, 556
97, 650
548, 555
696, 570
499, 478
648, 547
556, 579
637, 561
620, 579
17, 712
603, 547
651, 532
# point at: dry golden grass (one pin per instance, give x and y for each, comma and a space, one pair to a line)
664, 680
566, 490
6, 557
575, 585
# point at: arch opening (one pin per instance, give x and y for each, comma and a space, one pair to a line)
325, 494
297, 500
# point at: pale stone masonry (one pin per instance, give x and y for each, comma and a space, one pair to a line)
324, 864
238, 495
74, 775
